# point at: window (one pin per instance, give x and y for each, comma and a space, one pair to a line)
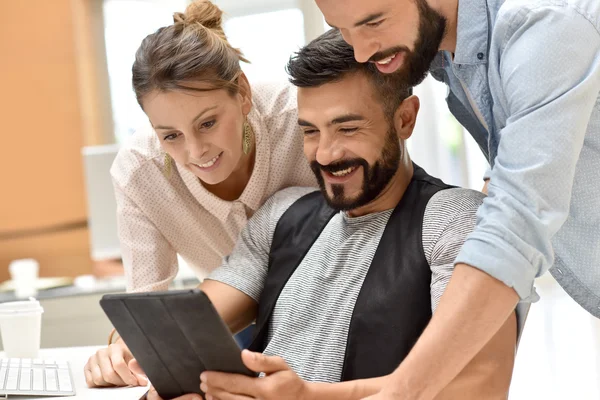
267, 40
126, 24
267, 32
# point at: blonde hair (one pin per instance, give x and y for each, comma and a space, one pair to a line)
193, 48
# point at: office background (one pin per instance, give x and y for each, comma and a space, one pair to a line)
67, 105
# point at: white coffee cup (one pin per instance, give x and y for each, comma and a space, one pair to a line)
21, 327
24, 274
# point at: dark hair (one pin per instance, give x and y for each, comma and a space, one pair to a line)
193, 48
329, 58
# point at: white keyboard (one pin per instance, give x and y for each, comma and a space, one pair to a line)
25, 376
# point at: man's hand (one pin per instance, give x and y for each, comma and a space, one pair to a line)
280, 382
153, 395
110, 367
385, 394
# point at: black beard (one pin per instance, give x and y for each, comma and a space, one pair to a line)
375, 179
432, 29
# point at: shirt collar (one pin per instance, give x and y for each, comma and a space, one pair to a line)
472, 35
252, 196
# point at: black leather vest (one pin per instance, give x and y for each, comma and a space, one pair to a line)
394, 303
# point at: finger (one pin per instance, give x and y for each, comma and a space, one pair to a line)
214, 383
126, 353
259, 362
228, 396
137, 370
377, 396
89, 380
121, 368
108, 372
97, 372
135, 367
153, 395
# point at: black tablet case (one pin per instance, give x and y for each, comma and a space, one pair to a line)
174, 336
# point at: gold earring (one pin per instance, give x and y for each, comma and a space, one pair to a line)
247, 138
168, 165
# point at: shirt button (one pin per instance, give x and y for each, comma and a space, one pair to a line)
480, 56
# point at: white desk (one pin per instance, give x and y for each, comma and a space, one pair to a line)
77, 357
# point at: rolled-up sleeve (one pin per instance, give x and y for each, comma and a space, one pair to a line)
247, 267
548, 72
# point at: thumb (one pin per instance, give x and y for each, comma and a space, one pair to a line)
258, 362
376, 396
136, 368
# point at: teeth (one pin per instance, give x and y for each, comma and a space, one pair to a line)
387, 60
210, 163
343, 172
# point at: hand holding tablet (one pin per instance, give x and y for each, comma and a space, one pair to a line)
174, 336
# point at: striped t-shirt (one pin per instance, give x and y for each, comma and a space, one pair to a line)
310, 321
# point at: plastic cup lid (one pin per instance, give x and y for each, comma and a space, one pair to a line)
26, 264
20, 307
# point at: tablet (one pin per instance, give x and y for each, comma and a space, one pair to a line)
174, 336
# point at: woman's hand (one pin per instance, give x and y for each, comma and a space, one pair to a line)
110, 366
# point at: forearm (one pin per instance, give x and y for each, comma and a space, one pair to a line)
350, 390
473, 308
237, 309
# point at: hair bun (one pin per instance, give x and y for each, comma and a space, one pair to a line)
202, 12
179, 18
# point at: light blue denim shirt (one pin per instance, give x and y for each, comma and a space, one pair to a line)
525, 82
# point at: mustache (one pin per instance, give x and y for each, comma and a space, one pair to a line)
382, 55
339, 165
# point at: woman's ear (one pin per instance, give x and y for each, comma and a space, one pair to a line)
406, 116
245, 92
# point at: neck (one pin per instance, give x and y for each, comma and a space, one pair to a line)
232, 188
449, 10
393, 192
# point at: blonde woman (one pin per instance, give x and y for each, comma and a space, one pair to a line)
214, 150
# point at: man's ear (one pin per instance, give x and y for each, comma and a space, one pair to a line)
406, 116
245, 92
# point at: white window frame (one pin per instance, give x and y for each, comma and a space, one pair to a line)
313, 19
